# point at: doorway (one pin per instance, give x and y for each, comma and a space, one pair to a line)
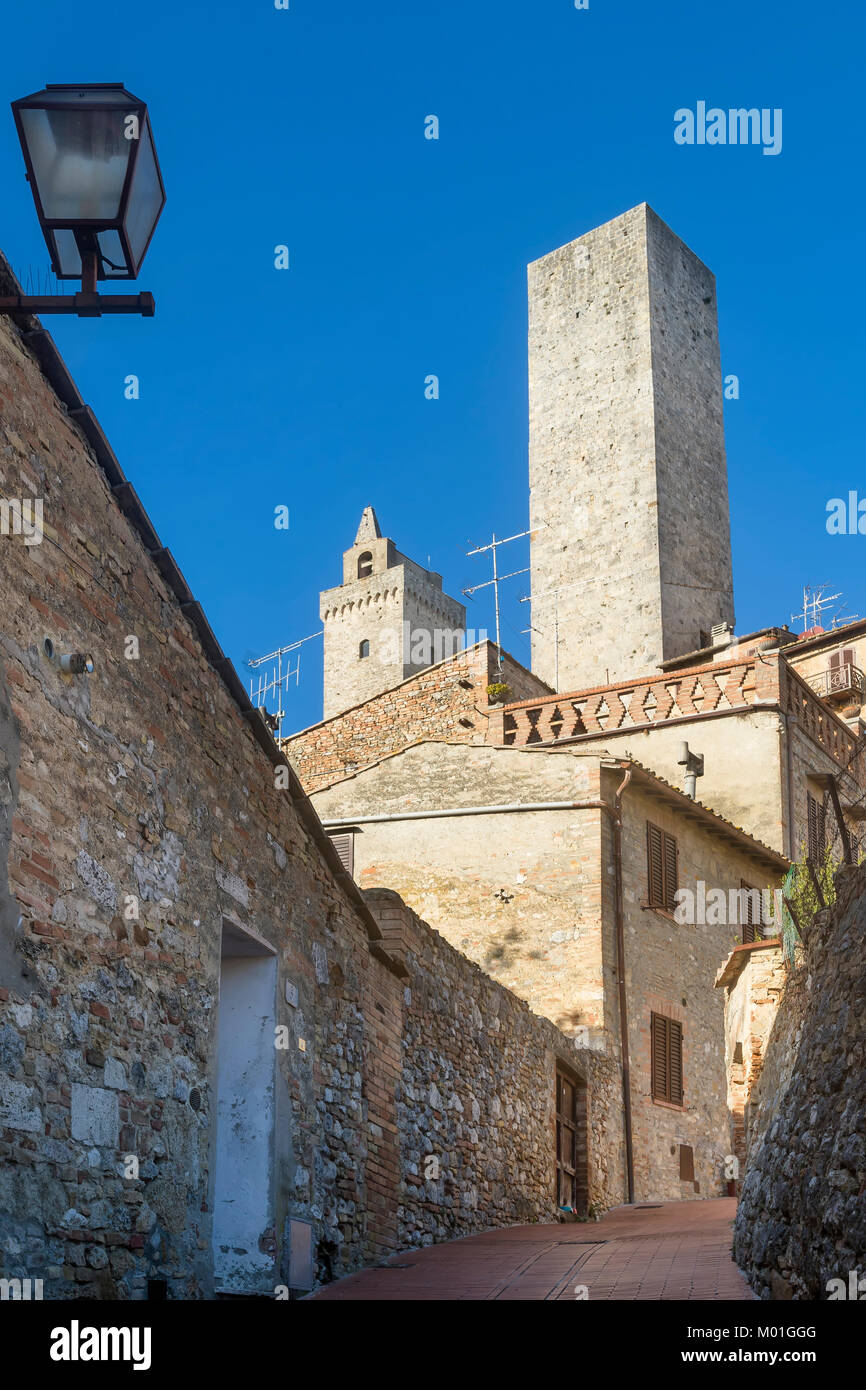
244, 1147
571, 1141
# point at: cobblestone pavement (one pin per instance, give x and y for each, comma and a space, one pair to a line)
673, 1250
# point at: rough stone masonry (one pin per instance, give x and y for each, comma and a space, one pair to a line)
801, 1221
149, 853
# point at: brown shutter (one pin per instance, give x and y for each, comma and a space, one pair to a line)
344, 844
667, 1059
816, 828
659, 1058
676, 1062
655, 869
687, 1163
749, 924
811, 827
835, 660
670, 866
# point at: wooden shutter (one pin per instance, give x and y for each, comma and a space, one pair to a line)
816, 829
667, 1059
661, 873
835, 660
344, 844
655, 865
676, 1061
749, 924
670, 866
687, 1163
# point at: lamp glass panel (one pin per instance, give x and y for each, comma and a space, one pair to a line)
145, 198
79, 161
112, 264
68, 255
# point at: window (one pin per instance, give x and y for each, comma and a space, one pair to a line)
661, 875
751, 911
667, 1059
344, 843
365, 564
816, 828
845, 657
364, 649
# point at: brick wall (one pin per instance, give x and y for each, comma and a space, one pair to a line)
448, 700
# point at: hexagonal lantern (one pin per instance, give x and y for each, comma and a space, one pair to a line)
95, 178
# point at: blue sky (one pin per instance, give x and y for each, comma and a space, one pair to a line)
408, 256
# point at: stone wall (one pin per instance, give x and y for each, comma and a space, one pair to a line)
801, 1220
141, 816
448, 700
475, 1101
145, 837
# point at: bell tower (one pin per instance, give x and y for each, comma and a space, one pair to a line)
388, 619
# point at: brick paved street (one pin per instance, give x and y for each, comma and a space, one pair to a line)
677, 1251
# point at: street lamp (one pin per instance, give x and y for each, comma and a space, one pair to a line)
94, 175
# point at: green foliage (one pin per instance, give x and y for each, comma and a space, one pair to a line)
800, 891
498, 693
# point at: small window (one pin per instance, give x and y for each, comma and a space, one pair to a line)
364, 649
344, 843
365, 564
816, 829
667, 1059
662, 858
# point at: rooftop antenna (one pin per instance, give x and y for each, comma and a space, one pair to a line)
271, 686
815, 600
498, 578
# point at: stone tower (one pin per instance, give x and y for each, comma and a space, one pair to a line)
388, 619
627, 472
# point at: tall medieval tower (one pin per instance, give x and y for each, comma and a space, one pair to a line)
631, 551
388, 619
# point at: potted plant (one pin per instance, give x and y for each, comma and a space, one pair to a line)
498, 693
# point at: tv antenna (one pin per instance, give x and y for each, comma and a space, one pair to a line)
272, 685
498, 578
815, 600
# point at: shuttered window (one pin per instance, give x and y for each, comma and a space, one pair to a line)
667, 1059
752, 919
661, 853
843, 658
344, 844
816, 829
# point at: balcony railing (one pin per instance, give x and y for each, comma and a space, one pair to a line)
838, 682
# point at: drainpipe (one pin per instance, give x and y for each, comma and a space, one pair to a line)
620, 970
